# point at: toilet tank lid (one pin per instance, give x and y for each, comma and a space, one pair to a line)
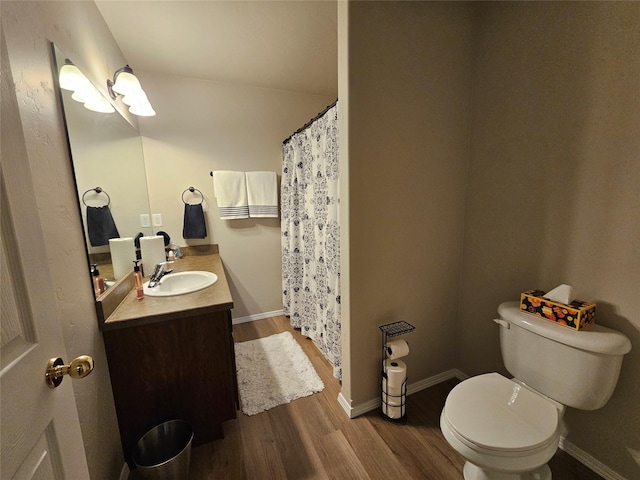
596, 338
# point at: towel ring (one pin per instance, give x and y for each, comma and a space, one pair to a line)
98, 191
192, 190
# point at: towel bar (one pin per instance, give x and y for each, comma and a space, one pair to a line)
193, 190
98, 191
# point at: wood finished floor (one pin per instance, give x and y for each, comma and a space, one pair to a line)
312, 438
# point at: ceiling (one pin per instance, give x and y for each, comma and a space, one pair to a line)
283, 45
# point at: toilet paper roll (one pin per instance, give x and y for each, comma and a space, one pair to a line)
392, 385
392, 397
152, 250
397, 349
392, 411
123, 253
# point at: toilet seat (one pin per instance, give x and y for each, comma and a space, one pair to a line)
494, 414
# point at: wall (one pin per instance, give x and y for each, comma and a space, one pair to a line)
202, 126
343, 209
408, 109
549, 135
78, 29
553, 188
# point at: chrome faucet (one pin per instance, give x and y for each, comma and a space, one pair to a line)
159, 272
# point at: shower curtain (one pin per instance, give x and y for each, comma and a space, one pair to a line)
311, 234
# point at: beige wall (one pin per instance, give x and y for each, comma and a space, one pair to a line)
540, 102
409, 98
78, 29
202, 126
343, 208
553, 188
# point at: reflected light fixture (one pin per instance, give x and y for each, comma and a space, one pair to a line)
72, 79
125, 83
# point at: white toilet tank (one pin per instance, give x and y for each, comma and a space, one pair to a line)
579, 369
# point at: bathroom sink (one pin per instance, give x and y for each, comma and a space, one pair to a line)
181, 283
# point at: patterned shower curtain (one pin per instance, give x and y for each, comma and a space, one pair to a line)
311, 234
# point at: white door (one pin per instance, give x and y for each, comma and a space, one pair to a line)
39, 430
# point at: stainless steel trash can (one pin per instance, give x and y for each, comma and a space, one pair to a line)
164, 452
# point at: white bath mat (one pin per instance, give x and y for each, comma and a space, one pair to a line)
273, 371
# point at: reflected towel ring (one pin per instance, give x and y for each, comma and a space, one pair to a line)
192, 190
98, 191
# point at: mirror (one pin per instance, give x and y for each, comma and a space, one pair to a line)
108, 165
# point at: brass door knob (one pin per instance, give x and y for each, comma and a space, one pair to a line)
79, 367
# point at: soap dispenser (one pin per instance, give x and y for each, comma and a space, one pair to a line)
98, 281
138, 280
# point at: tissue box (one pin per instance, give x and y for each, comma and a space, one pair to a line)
576, 315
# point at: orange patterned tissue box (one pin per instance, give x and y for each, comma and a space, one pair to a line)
576, 315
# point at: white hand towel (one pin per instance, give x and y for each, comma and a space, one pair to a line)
230, 189
262, 192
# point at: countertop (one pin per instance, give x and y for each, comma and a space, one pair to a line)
217, 297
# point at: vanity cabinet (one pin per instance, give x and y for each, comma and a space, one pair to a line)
173, 358
178, 369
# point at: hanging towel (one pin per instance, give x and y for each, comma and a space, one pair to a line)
262, 193
231, 193
193, 226
100, 226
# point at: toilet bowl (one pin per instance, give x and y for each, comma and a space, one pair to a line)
504, 429
509, 429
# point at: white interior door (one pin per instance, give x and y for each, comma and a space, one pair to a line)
40, 432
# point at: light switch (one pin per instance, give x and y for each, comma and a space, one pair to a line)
145, 221
157, 219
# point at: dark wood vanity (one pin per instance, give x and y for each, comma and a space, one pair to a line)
172, 357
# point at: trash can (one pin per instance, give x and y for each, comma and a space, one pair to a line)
164, 452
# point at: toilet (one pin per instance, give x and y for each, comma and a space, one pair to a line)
509, 428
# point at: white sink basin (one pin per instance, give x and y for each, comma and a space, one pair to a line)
181, 283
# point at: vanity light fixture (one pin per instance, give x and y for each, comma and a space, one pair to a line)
127, 84
72, 79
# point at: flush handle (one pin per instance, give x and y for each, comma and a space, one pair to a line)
502, 323
79, 367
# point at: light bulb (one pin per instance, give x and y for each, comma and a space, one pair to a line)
126, 83
143, 110
99, 104
71, 77
139, 104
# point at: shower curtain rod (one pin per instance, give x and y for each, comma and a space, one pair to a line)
308, 124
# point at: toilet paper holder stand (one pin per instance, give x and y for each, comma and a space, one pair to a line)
389, 401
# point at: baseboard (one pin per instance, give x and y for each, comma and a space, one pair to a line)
124, 473
588, 461
257, 316
365, 407
412, 388
345, 405
436, 379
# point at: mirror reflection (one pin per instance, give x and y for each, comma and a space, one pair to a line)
108, 164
